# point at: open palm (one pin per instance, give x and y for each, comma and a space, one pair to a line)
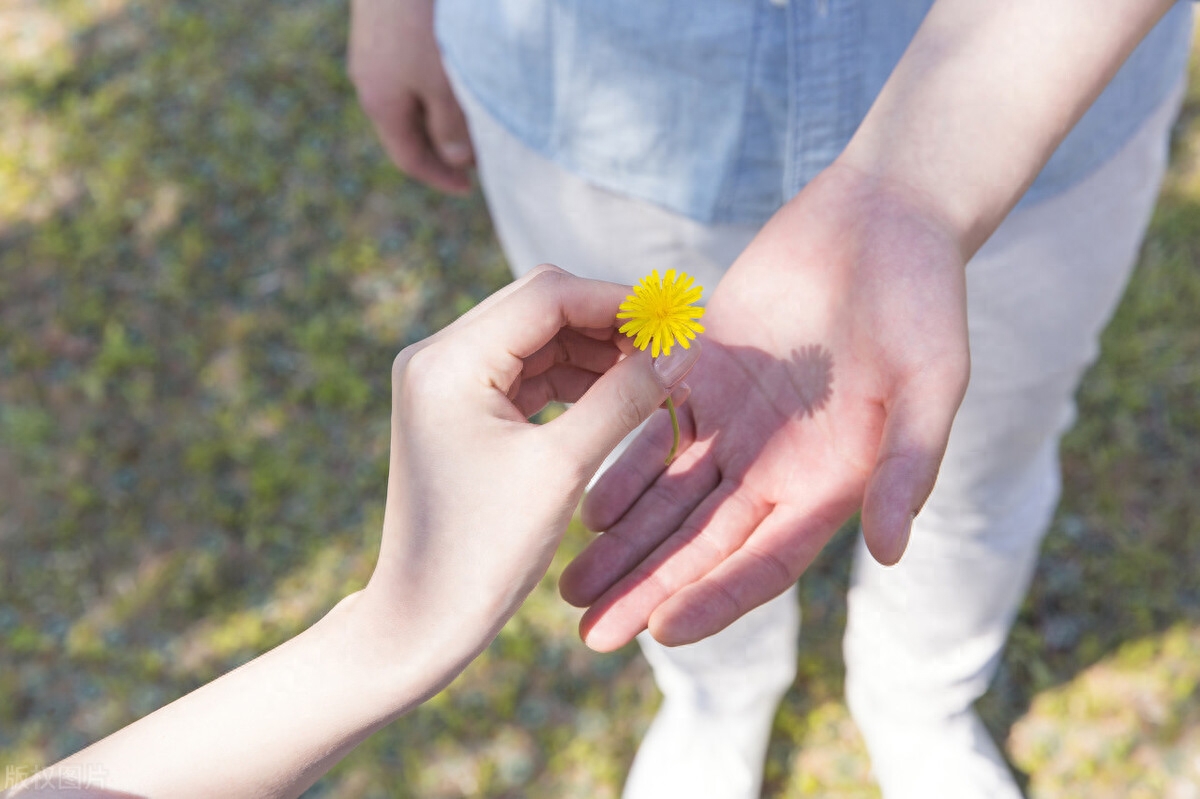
835, 360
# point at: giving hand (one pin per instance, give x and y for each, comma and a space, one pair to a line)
478, 498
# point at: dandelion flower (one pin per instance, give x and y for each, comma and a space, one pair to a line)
660, 312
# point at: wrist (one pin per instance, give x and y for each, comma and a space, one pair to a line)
961, 222
405, 618
883, 201
401, 656
967, 118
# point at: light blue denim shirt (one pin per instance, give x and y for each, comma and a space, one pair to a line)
723, 109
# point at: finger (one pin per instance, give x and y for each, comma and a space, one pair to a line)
605, 334
624, 397
619, 488
448, 127
402, 130
914, 440
679, 395
528, 318
774, 556
575, 348
494, 299
658, 513
562, 383
453, 334
567, 384
721, 523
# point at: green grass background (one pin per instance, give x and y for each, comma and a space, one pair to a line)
206, 267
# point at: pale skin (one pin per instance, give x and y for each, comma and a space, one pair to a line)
866, 264
478, 499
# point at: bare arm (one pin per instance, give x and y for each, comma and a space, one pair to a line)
475, 510
984, 94
273, 726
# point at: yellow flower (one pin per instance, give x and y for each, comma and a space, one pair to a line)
660, 312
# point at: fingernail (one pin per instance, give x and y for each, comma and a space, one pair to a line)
455, 153
670, 369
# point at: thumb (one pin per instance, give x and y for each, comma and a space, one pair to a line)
910, 452
624, 397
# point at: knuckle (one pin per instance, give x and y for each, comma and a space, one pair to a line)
775, 572
667, 492
722, 605
727, 598
547, 275
421, 366
374, 101
629, 409
714, 551
400, 364
414, 372
544, 284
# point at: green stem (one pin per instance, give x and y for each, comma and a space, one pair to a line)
674, 431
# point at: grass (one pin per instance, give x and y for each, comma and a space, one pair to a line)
206, 267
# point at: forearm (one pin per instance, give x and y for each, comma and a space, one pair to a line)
475, 511
983, 96
275, 725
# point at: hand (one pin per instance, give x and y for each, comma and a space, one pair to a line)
395, 65
478, 497
477, 500
836, 358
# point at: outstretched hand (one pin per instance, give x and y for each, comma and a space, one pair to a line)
836, 358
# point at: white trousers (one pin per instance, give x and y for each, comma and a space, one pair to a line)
924, 637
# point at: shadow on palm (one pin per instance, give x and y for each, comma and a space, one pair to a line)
774, 458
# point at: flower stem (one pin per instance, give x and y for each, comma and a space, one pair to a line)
674, 431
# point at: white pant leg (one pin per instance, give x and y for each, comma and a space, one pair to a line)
720, 695
710, 737
924, 637
545, 214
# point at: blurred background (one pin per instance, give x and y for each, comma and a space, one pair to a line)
206, 267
